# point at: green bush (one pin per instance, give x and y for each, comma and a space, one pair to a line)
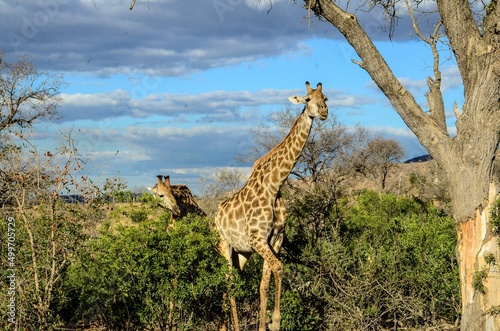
146, 277
138, 216
45, 243
370, 262
384, 262
495, 217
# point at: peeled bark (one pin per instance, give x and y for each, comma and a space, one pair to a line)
480, 281
466, 159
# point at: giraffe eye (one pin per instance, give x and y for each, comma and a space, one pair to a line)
308, 99
326, 99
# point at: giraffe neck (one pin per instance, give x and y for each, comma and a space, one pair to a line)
271, 170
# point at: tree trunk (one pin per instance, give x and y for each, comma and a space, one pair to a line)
466, 159
472, 185
480, 281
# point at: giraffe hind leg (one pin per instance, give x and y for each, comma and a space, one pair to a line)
236, 261
276, 318
226, 250
278, 278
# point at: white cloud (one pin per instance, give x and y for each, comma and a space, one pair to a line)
92, 100
226, 106
398, 132
414, 86
348, 101
206, 172
119, 156
451, 78
262, 4
166, 132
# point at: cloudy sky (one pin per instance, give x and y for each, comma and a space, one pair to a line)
174, 87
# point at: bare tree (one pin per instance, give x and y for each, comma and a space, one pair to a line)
48, 230
378, 158
332, 153
26, 93
215, 188
466, 159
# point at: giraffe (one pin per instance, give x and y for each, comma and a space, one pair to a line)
177, 198
253, 219
180, 201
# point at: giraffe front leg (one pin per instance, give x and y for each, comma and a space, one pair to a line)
278, 277
267, 244
274, 266
276, 241
264, 294
234, 312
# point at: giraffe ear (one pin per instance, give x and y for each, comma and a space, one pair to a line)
297, 100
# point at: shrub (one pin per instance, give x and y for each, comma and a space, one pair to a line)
138, 216
146, 277
495, 217
385, 262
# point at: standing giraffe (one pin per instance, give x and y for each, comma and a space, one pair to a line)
253, 220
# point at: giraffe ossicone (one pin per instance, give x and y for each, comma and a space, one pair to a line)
253, 219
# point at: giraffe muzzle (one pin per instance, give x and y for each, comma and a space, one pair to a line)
323, 115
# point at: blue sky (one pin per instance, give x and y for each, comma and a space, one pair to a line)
175, 87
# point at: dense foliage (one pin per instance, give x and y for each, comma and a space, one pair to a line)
37, 247
148, 277
378, 262
368, 262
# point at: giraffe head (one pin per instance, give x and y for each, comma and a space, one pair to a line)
162, 189
315, 102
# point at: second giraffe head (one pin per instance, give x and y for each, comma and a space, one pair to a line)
315, 101
162, 190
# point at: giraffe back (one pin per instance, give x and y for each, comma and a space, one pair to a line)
186, 201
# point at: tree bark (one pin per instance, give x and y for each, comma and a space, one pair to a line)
475, 242
466, 159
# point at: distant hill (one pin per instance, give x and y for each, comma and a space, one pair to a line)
421, 158
72, 198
